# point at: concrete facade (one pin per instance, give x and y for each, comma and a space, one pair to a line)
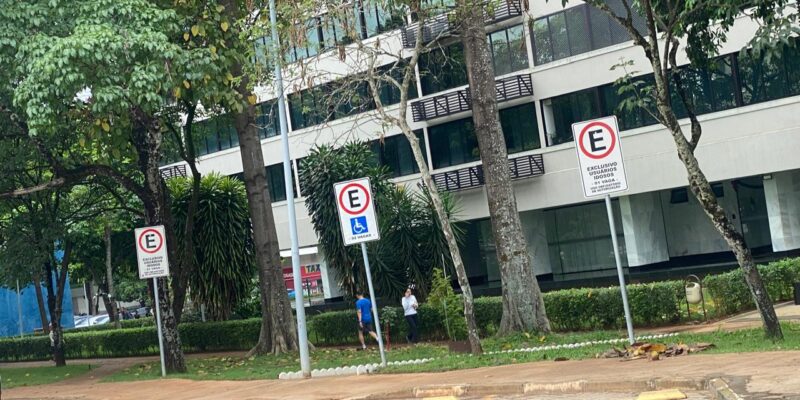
656, 225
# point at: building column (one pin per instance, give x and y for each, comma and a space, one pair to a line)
330, 283
533, 224
643, 226
782, 193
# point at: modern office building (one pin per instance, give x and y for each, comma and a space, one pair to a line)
553, 67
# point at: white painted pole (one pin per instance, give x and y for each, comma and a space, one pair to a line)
158, 324
300, 310
19, 310
374, 302
623, 290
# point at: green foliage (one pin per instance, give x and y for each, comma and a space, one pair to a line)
196, 337
411, 243
731, 294
224, 263
450, 306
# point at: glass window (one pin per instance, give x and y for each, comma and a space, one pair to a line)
580, 39
558, 32
498, 41
519, 128
571, 108
760, 80
508, 50
442, 69
579, 238
791, 60
722, 84
312, 44
395, 153
543, 51
601, 29
518, 51
277, 187
579, 29
267, 119
453, 143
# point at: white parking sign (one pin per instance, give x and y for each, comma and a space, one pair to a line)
600, 156
356, 211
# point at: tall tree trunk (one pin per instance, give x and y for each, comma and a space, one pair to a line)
147, 139
698, 183
401, 121
523, 305
113, 313
37, 287
278, 330
55, 299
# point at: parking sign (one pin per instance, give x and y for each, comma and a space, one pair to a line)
356, 211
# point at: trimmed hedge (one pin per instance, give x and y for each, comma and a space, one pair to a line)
195, 337
730, 292
569, 310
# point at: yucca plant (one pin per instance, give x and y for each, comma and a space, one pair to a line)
224, 260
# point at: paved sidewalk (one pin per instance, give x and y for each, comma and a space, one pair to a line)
759, 374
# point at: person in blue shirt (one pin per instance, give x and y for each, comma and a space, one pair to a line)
365, 321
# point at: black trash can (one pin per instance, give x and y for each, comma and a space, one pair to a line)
797, 293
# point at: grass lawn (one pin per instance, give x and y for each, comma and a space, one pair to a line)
268, 367
13, 377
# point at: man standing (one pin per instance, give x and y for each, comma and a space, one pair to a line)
365, 325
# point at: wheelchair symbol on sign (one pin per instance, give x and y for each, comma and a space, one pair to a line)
358, 225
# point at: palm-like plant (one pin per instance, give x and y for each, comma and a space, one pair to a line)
411, 241
224, 260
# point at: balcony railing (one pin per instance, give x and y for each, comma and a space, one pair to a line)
439, 26
459, 101
174, 171
471, 177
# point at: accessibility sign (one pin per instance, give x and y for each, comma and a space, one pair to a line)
356, 211
600, 156
151, 251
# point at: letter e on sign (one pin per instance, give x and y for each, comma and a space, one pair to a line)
356, 211
151, 252
600, 156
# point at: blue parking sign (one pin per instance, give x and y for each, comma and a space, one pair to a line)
358, 225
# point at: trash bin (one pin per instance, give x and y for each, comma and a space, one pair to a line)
797, 293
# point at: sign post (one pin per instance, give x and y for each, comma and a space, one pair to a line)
602, 173
151, 252
359, 225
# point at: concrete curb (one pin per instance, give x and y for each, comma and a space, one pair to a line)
569, 387
720, 389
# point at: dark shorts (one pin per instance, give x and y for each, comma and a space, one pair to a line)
367, 327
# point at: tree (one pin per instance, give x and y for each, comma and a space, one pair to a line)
224, 263
121, 60
278, 331
703, 27
398, 78
523, 305
411, 242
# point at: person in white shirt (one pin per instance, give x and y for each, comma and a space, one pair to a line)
410, 311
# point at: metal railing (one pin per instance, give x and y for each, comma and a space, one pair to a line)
174, 171
471, 177
439, 26
459, 101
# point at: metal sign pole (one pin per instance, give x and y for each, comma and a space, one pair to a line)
158, 324
620, 273
374, 302
19, 310
300, 310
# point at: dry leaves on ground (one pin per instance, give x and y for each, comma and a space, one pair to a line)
654, 351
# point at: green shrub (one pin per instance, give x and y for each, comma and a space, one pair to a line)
195, 337
731, 294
